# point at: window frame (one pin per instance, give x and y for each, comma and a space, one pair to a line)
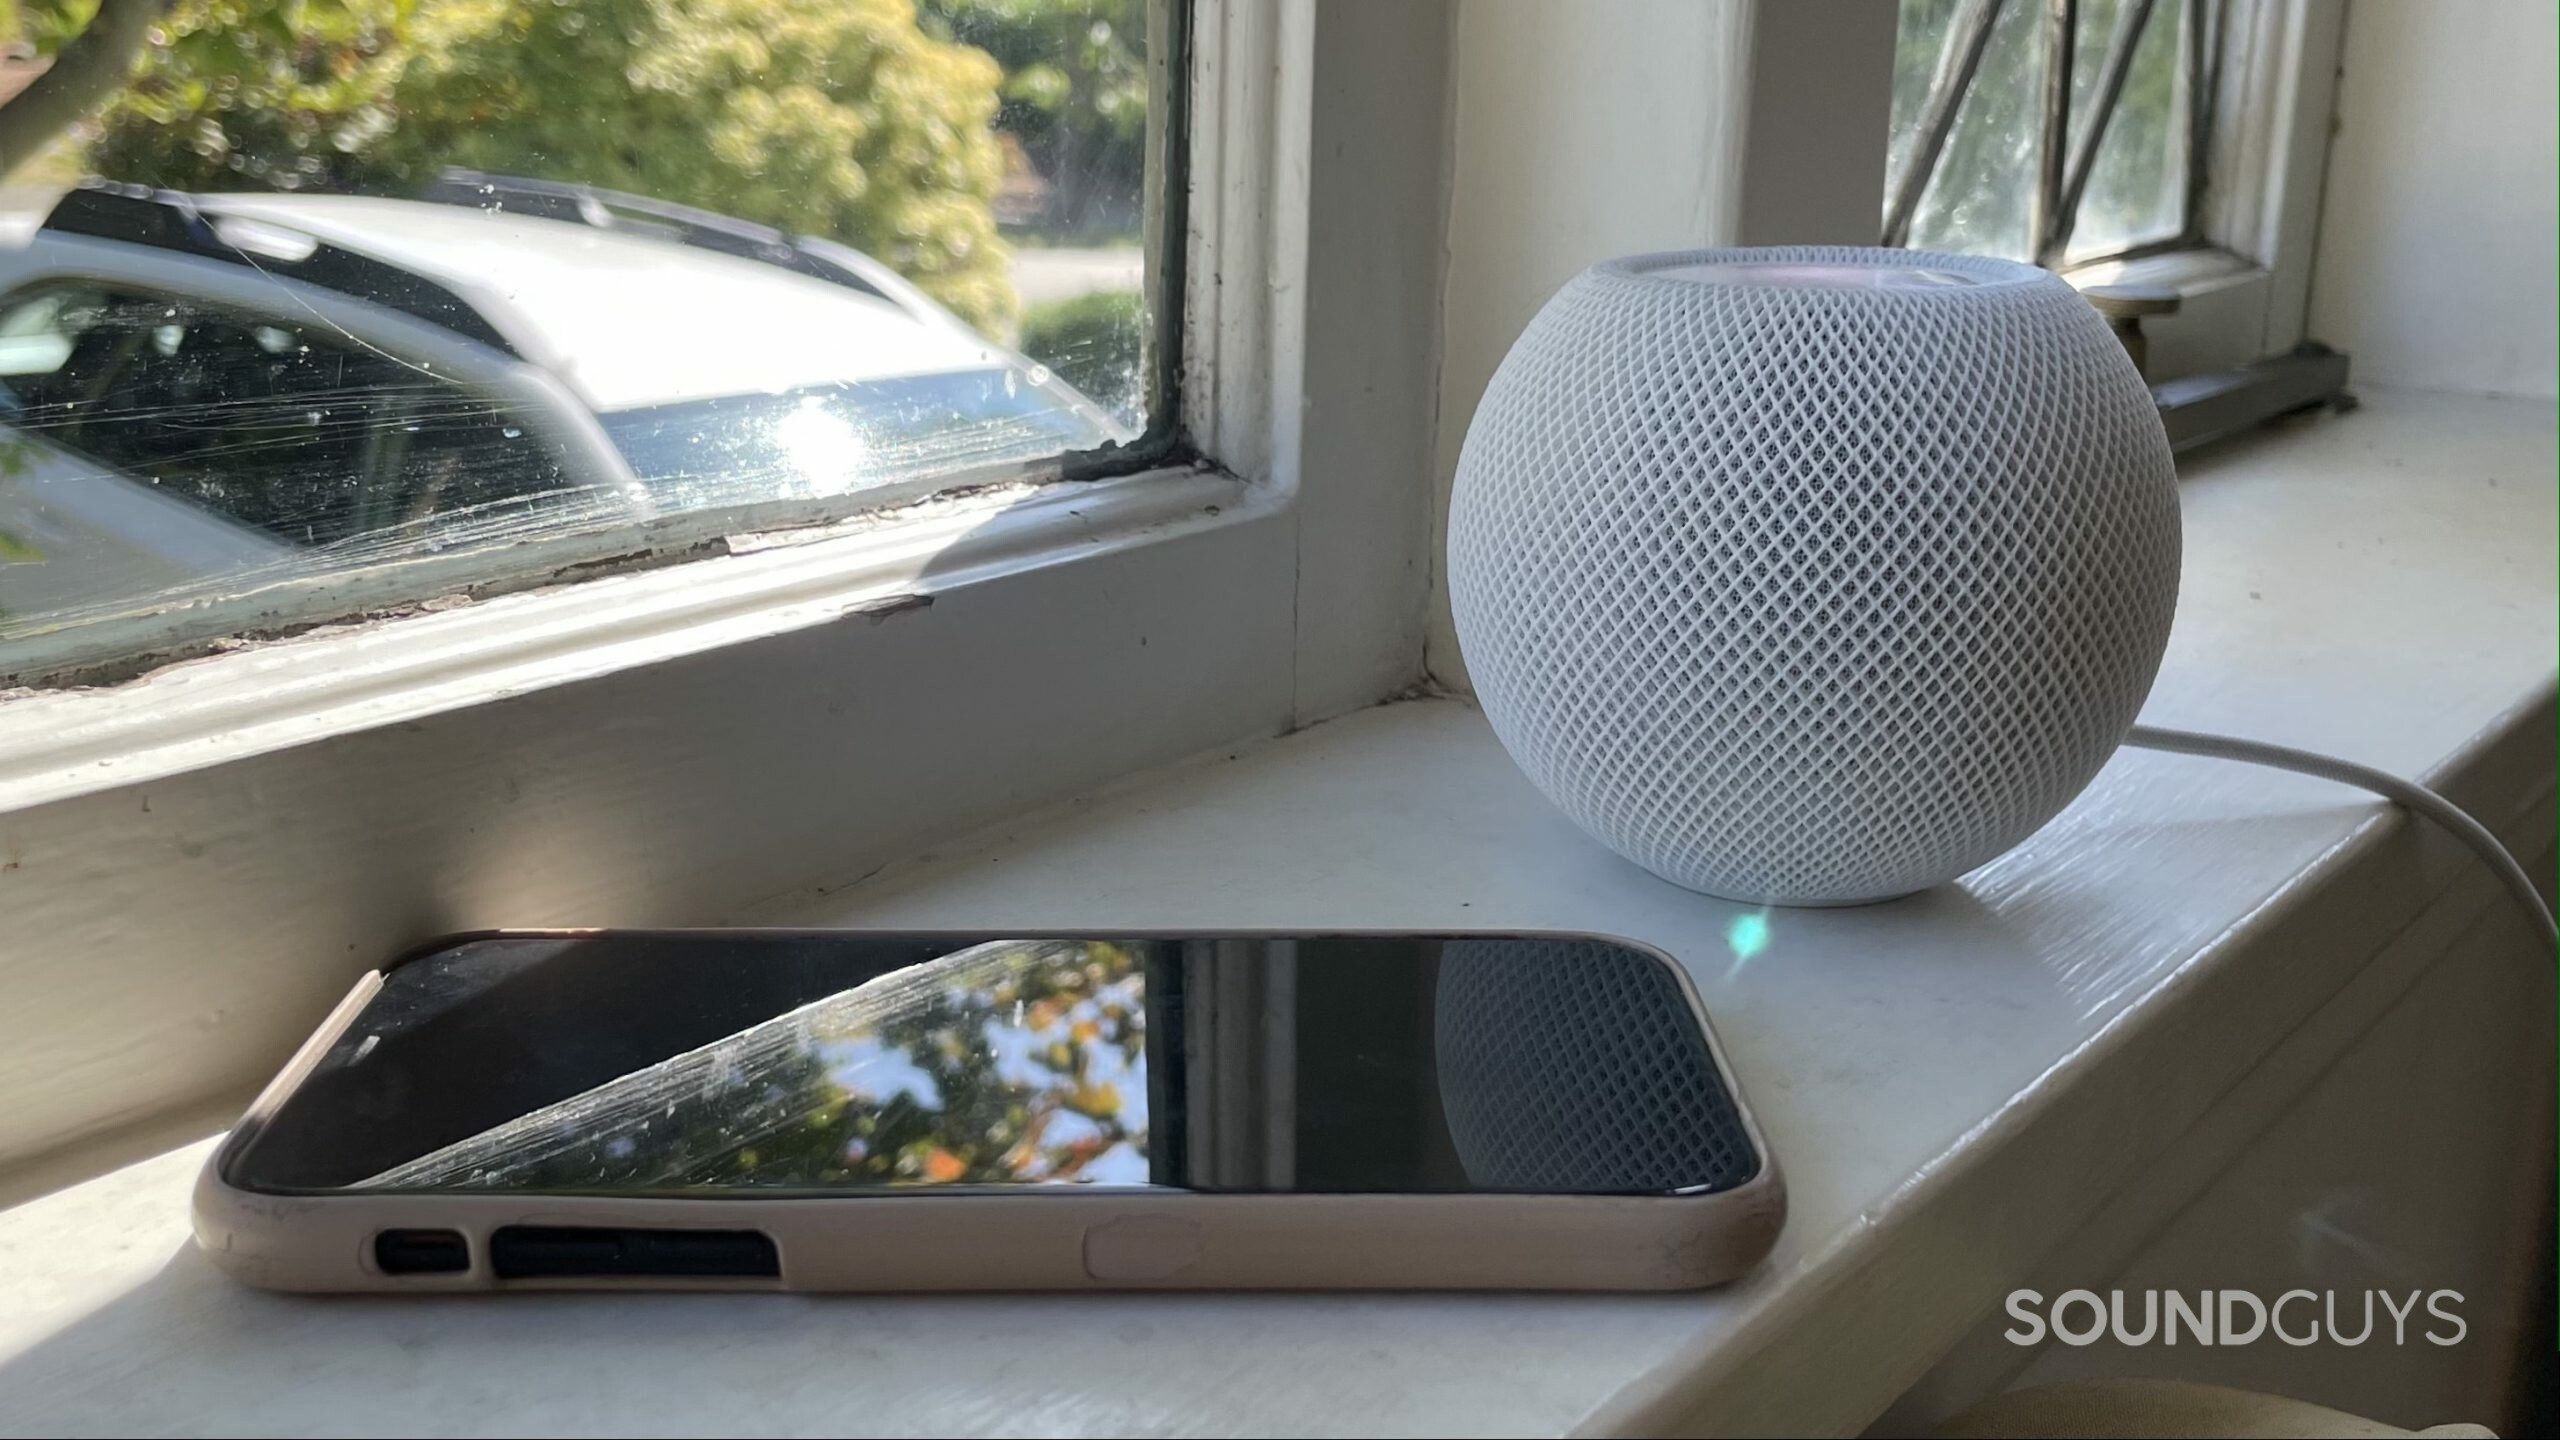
2240, 266
678, 743
1223, 400
124, 639
2244, 278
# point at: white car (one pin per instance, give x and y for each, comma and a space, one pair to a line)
200, 389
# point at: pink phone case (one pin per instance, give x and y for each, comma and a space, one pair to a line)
1062, 1238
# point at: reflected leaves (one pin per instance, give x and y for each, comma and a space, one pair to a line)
1012, 1062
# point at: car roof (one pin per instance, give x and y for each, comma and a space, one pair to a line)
629, 321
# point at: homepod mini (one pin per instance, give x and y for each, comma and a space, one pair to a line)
1813, 576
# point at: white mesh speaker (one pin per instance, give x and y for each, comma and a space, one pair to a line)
1813, 576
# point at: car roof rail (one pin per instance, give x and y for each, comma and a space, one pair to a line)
604, 209
171, 220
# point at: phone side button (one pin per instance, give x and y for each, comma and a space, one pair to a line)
1141, 1249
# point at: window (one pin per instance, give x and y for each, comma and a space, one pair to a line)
2171, 151
2056, 131
302, 299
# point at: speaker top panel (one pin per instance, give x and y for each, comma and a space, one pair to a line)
1816, 277
1818, 268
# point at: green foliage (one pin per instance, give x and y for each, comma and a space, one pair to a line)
839, 118
250, 93
828, 117
45, 24
1075, 94
1093, 342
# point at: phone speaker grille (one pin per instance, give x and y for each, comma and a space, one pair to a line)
1575, 1066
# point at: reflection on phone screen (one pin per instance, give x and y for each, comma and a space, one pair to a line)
755, 1063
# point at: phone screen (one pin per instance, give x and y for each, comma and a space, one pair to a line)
755, 1063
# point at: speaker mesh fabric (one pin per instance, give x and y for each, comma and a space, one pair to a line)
1813, 593
1573, 1066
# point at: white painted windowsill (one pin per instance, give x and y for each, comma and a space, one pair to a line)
1946, 1080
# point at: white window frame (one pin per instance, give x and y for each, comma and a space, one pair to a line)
197, 860
2245, 290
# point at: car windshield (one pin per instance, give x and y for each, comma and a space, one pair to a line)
836, 439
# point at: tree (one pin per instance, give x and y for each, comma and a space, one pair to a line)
838, 118
1075, 94
234, 93
93, 45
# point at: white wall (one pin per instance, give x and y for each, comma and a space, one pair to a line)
2435, 264
1612, 127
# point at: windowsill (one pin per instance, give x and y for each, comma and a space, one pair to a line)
2222, 321
425, 659
2188, 272
1939, 1076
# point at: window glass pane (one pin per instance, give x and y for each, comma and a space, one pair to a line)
1981, 194
496, 281
1920, 35
831, 439
269, 423
1073, 132
1977, 203
2137, 187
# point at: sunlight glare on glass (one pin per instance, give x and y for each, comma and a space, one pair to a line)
824, 449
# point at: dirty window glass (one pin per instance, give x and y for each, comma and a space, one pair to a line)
1972, 183
310, 309
265, 426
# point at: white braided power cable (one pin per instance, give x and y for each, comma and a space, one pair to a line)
2416, 797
